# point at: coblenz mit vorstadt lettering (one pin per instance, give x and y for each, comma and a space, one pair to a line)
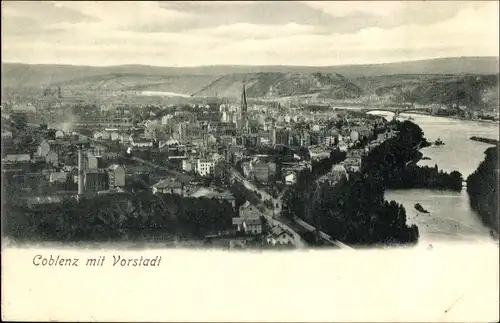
52, 261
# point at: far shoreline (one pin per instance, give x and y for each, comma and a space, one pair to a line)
453, 117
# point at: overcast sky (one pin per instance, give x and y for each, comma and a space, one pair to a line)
245, 32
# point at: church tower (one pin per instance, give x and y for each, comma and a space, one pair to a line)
242, 112
244, 102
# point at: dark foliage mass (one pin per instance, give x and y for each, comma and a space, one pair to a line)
428, 177
325, 165
117, 217
394, 163
482, 186
466, 90
353, 211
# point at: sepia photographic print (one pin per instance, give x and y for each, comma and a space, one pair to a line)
156, 156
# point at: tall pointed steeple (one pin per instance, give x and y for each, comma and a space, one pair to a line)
244, 101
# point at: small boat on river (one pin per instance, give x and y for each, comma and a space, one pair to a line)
438, 142
419, 208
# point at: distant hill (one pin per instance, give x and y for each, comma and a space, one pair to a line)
467, 80
453, 65
325, 85
475, 91
184, 84
16, 75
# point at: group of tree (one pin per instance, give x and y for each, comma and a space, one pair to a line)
428, 177
466, 90
125, 216
242, 195
482, 187
323, 166
353, 211
393, 163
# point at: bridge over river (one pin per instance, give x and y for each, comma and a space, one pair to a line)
398, 110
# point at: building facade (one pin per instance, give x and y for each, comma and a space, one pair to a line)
204, 167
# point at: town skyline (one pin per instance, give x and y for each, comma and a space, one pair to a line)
189, 34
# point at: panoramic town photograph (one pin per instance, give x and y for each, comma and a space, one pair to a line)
244, 125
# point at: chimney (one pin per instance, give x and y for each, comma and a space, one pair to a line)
81, 145
80, 171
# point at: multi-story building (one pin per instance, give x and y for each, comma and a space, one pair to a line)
142, 142
96, 151
187, 165
43, 149
305, 139
16, 158
60, 177
225, 116
246, 166
91, 162
329, 140
116, 174
249, 219
282, 137
6, 134
290, 178
59, 134
354, 159
52, 158
96, 180
106, 122
251, 140
204, 167
227, 140
261, 172
279, 236
273, 136
168, 186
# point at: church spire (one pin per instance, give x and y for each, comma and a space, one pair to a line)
244, 100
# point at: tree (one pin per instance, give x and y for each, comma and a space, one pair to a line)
20, 121
51, 133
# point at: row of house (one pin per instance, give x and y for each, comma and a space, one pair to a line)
249, 222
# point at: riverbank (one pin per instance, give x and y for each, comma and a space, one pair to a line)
451, 215
424, 113
482, 187
394, 163
453, 117
351, 208
485, 140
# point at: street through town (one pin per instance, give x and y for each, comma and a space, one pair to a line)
277, 205
269, 213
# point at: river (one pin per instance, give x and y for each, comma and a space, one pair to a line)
451, 217
163, 93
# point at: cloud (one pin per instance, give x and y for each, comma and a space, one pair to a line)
252, 31
42, 11
25, 18
222, 13
471, 32
182, 37
126, 14
344, 9
389, 14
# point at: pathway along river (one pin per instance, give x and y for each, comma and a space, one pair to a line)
451, 217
